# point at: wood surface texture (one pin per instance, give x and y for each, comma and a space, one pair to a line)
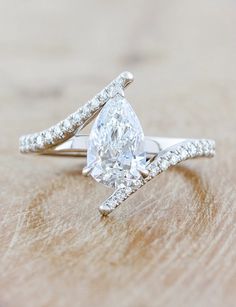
173, 243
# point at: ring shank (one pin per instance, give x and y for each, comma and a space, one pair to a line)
77, 146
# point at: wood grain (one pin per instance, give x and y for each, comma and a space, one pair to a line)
174, 242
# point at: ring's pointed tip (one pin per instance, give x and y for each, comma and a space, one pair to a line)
128, 77
104, 210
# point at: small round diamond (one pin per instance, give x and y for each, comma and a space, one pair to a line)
33, 142
39, 141
103, 96
67, 125
48, 137
153, 169
25, 143
86, 112
192, 150
95, 103
77, 118
206, 147
128, 191
58, 131
200, 149
118, 196
137, 183
89, 105
22, 141
164, 165
183, 154
174, 159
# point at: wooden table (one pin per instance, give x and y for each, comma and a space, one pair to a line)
174, 242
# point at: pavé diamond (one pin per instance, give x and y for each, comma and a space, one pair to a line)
58, 131
164, 165
183, 153
67, 124
48, 137
115, 89
39, 141
103, 96
116, 145
174, 159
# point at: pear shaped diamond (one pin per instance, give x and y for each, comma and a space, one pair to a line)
116, 145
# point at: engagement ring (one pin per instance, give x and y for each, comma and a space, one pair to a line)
118, 153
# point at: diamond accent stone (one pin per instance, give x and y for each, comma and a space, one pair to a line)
115, 89
58, 131
77, 118
48, 137
103, 96
116, 145
164, 165
39, 141
86, 111
192, 150
96, 102
153, 169
174, 159
67, 125
183, 153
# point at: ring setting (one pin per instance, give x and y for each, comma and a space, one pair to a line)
118, 154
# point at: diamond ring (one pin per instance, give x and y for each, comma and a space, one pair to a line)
118, 153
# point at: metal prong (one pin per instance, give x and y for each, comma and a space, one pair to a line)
144, 172
87, 170
127, 77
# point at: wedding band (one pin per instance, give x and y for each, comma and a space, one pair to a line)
118, 154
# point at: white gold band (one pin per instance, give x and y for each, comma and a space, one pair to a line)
59, 133
166, 158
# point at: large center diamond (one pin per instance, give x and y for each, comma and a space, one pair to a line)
116, 145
